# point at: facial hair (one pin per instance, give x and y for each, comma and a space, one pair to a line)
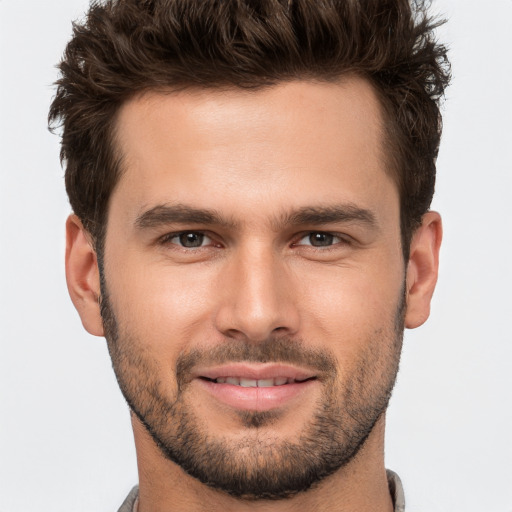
259, 465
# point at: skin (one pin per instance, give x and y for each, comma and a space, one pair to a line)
255, 158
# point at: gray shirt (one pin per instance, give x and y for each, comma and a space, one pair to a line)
395, 488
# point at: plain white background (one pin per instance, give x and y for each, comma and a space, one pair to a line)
65, 437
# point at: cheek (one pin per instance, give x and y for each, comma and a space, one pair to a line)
349, 305
168, 307
161, 305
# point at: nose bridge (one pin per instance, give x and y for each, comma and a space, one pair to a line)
257, 299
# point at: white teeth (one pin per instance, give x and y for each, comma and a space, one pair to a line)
248, 383
253, 383
266, 383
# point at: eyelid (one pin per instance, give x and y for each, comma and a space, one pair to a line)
166, 239
341, 239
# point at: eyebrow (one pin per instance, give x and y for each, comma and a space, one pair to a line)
164, 214
331, 214
180, 214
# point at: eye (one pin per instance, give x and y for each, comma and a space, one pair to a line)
320, 239
188, 239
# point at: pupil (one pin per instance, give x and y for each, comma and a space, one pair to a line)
321, 239
191, 239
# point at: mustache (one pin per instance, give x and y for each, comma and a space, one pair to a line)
271, 350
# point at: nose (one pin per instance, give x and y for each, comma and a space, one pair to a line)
257, 297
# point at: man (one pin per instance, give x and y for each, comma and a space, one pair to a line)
251, 184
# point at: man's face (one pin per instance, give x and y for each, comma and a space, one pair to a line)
253, 280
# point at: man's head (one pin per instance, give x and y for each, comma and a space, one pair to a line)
260, 173
124, 48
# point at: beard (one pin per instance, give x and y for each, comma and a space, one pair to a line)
259, 464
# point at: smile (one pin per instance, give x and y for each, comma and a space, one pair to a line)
256, 387
255, 383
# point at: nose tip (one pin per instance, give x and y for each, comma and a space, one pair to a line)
251, 323
257, 302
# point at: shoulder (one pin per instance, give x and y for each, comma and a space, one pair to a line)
396, 490
129, 503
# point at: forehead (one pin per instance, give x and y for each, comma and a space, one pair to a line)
285, 146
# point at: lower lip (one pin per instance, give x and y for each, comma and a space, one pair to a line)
254, 398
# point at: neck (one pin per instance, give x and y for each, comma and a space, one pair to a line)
359, 486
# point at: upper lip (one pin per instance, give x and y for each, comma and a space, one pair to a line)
258, 371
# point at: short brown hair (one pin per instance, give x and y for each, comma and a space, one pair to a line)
124, 47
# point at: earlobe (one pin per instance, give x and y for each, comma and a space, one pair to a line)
82, 275
422, 269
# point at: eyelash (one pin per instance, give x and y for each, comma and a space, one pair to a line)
342, 240
166, 239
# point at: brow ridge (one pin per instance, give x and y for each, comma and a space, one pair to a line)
330, 214
178, 213
310, 215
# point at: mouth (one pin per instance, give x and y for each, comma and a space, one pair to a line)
256, 387
256, 383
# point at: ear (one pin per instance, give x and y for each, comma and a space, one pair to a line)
82, 275
422, 269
